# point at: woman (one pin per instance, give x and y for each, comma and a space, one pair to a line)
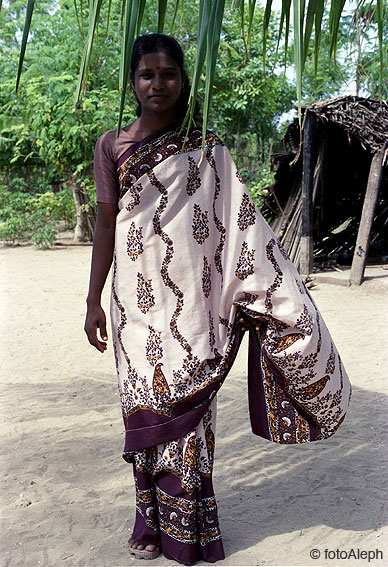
195, 265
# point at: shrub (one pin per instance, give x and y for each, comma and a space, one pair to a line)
32, 217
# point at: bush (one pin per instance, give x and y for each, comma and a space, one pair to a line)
259, 190
13, 228
42, 231
32, 217
57, 206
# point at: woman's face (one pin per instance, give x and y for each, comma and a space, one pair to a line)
157, 83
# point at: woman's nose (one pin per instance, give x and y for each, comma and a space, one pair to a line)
157, 82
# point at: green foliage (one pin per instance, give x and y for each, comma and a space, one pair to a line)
33, 217
40, 128
248, 102
357, 60
259, 189
44, 138
42, 234
32, 226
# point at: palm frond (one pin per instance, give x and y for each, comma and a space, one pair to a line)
306, 15
336, 9
162, 15
299, 12
108, 17
174, 16
140, 16
284, 15
242, 22
318, 34
380, 23
203, 24
94, 12
132, 16
310, 16
81, 31
213, 42
267, 16
26, 31
251, 13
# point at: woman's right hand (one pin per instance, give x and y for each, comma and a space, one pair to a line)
96, 319
103, 245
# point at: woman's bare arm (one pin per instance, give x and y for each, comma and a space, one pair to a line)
103, 246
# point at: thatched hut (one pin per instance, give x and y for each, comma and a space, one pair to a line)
330, 197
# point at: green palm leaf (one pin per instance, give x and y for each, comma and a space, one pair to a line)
140, 16
94, 12
213, 42
310, 16
79, 21
284, 15
318, 33
242, 22
380, 22
108, 17
267, 16
162, 15
336, 9
177, 2
299, 10
203, 24
210, 18
251, 13
26, 31
132, 16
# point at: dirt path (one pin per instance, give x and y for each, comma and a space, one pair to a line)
67, 496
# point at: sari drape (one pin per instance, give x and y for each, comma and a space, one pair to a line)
193, 254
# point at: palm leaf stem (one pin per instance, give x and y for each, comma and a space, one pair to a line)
26, 31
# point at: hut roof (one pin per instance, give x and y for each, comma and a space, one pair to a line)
362, 118
347, 132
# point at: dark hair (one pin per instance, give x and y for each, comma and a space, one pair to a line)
153, 42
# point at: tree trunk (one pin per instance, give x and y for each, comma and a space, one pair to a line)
368, 210
85, 214
306, 240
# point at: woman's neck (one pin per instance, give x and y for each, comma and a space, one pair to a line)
148, 124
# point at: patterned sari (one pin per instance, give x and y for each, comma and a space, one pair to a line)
192, 256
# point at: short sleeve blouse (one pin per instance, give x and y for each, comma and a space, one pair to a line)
109, 148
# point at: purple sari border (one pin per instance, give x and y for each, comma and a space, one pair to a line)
173, 428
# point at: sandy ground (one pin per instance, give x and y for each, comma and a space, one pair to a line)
67, 496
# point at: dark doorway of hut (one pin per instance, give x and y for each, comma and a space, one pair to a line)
329, 202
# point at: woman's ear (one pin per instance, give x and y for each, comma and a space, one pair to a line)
132, 83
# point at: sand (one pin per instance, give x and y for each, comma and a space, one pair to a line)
67, 497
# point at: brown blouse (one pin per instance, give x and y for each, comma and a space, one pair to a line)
109, 148
108, 151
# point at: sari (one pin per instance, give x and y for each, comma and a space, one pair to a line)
192, 256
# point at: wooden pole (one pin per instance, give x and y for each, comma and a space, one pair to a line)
306, 240
368, 209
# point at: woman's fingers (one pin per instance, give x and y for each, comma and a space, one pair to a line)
95, 319
103, 333
93, 339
